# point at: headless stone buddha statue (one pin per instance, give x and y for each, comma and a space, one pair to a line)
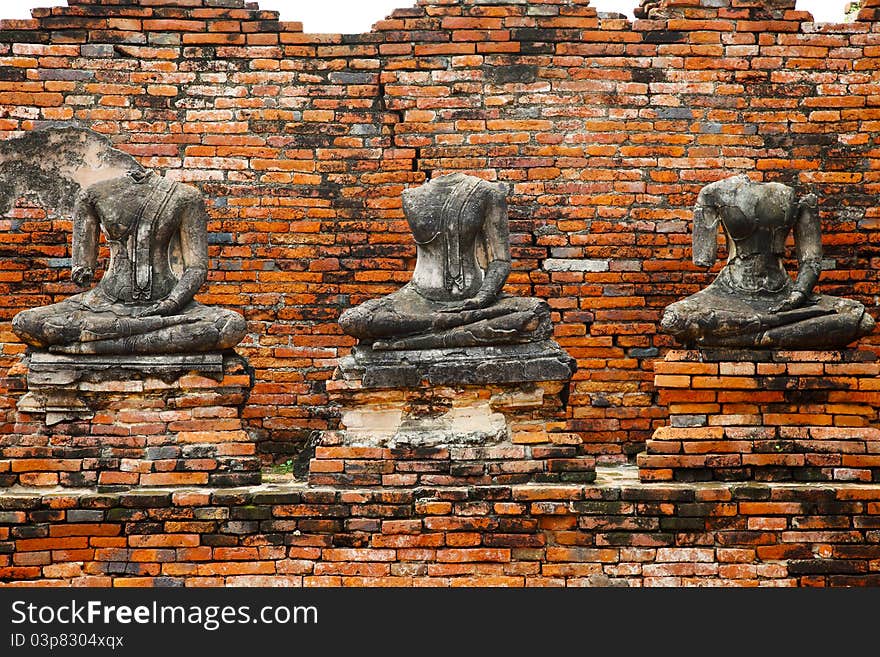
754, 303
157, 233
454, 299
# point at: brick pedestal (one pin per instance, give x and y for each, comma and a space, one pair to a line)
767, 416
494, 427
119, 422
615, 531
708, 9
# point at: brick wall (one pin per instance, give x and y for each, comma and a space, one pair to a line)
606, 129
612, 533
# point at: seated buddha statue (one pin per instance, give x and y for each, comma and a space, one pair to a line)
753, 302
156, 230
454, 299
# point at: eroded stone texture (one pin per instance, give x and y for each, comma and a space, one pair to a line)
470, 416
537, 361
52, 166
157, 233
460, 225
754, 302
696, 9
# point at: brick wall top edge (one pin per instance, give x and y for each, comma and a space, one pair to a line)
135, 9
654, 9
648, 6
229, 4
755, 9
240, 16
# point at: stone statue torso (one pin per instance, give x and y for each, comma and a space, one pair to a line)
139, 218
754, 302
446, 218
757, 226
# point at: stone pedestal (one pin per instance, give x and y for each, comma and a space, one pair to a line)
123, 421
766, 416
474, 416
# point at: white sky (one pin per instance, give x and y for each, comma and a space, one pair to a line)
351, 16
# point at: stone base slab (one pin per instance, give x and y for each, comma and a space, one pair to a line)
517, 363
450, 435
766, 416
119, 422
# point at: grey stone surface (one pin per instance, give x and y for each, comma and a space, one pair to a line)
753, 302
689, 420
443, 432
576, 264
454, 299
157, 233
163, 452
84, 515
537, 361
673, 113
